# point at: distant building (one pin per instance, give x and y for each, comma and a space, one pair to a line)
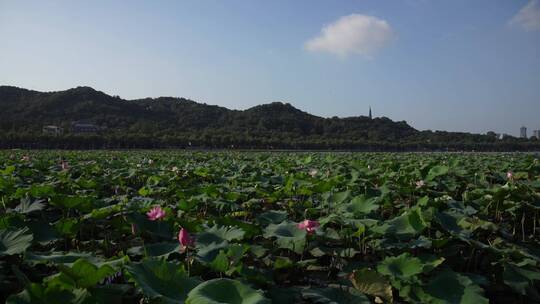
53, 130
523, 132
502, 136
498, 135
536, 133
80, 127
370, 113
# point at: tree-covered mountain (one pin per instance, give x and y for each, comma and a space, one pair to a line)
169, 121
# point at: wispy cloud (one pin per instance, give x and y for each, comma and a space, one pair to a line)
352, 34
528, 17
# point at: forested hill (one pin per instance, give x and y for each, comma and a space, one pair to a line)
177, 122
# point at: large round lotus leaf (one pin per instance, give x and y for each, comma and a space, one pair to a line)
287, 235
225, 291
159, 279
84, 273
452, 287
156, 249
362, 205
158, 229
27, 206
436, 171
43, 232
272, 217
217, 234
334, 295
14, 241
207, 253
520, 279
403, 266
369, 282
337, 198
65, 258
408, 224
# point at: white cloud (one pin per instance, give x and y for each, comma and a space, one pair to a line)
352, 34
528, 17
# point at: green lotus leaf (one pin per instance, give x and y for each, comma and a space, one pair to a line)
79, 202
401, 267
337, 198
450, 221
452, 287
28, 206
159, 229
408, 224
208, 252
156, 250
370, 282
220, 262
68, 226
521, 280
161, 280
66, 258
217, 234
334, 295
284, 295
362, 205
14, 241
387, 243
250, 229
436, 171
83, 274
42, 190
39, 294
287, 236
405, 267
44, 233
272, 217
283, 262
218, 291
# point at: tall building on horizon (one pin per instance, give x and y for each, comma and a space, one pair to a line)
523, 132
370, 113
536, 133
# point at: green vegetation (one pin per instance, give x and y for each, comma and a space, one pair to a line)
177, 122
103, 227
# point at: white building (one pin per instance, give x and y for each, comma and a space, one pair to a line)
536, 133
82, 127
53, 130
523, 132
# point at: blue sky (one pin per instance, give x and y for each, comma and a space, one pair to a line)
455, 65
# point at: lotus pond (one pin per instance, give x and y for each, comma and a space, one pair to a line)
240, 227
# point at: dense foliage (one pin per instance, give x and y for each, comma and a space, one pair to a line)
178, 122
103, 227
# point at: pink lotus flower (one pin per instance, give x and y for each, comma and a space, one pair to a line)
25, 158
420, 184
510, 175
156, 213
308, 225
313, 172
184, 238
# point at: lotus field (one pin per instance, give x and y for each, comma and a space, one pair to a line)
253, 227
